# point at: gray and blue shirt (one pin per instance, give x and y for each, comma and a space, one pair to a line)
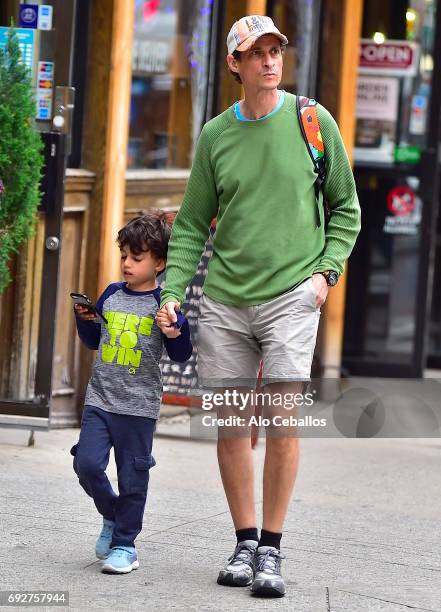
126, 377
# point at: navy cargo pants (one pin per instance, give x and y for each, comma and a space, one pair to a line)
132, 440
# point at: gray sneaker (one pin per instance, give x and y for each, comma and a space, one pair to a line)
239, 570
268, 581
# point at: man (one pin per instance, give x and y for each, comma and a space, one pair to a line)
271, 268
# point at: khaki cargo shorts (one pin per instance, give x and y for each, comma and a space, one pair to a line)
234, 339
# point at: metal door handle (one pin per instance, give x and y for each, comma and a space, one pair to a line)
52, 243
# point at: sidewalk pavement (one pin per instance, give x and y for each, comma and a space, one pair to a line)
362, 533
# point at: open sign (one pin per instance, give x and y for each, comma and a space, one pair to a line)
397, 57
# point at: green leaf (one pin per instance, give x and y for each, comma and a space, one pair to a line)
21, 159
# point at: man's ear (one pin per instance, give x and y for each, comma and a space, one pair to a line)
232, 63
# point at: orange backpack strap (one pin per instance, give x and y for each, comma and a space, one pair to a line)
310, 128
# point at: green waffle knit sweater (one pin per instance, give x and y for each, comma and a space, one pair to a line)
257, 178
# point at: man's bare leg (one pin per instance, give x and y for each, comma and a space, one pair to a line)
237, 471
279, 474
236, 466
281, 462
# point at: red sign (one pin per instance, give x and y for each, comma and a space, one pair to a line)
397, 57
401, 201
150, 9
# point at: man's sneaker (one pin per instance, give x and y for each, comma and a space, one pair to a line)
102, 546
121, 560
268, 581
239, 570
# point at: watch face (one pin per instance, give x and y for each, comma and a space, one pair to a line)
332, 278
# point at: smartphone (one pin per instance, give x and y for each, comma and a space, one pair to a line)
86, 302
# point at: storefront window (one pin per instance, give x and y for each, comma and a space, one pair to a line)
395, 75
169, 82
383, 275
387, 269
299, 21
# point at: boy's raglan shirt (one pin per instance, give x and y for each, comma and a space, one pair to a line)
126, 377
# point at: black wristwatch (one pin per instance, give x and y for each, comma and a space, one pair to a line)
331, 277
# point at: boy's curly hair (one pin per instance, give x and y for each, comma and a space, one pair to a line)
149, 232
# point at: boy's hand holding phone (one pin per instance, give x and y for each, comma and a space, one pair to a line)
84, 313
86, 309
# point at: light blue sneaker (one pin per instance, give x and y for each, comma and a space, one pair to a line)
121, 560
102, 546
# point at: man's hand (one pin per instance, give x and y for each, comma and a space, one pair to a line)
321, 288
83, 313
166, 317
171, 308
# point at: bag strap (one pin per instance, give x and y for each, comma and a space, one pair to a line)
310, 128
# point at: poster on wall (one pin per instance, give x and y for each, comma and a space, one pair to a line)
377, 115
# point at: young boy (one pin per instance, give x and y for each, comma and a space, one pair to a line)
124, 393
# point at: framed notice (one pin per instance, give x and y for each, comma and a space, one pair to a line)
377, 115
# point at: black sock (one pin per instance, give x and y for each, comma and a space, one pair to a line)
269, 538
247, 534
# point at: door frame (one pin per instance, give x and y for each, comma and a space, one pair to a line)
35, 413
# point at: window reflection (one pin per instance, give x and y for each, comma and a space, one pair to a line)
299, 21
170, 64
392, 133
394, 85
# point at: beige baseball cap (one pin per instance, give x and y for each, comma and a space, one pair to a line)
247, 30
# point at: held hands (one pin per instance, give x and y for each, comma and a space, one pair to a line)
83, 313
166, 317
321, 289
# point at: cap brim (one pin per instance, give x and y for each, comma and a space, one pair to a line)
249, 42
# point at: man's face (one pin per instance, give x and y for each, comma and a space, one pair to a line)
261, 66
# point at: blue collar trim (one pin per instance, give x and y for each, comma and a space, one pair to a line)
240, 117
